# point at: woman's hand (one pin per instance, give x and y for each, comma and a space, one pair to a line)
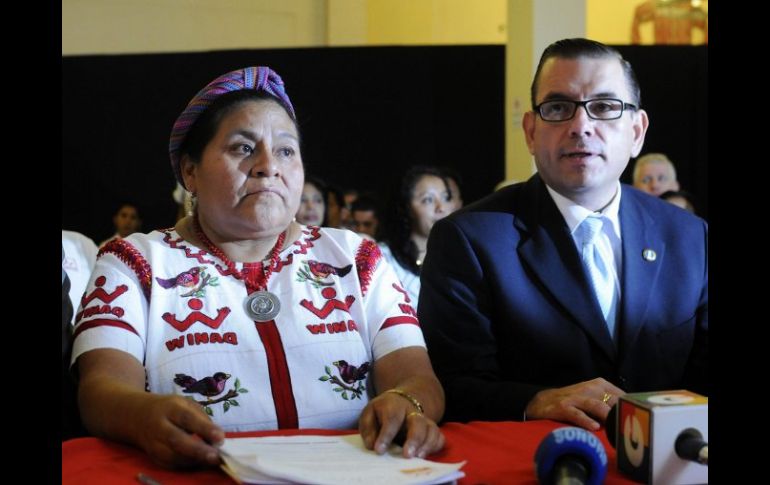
173, 430
176, 432
387, 415
408, 370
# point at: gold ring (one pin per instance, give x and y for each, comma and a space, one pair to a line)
606, 398
413, 413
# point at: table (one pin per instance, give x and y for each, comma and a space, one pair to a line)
496, 453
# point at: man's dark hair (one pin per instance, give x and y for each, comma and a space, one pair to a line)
577, 48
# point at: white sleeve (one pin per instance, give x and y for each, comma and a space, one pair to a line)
113, 312
392, 319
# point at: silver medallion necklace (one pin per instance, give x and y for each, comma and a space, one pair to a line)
261, 305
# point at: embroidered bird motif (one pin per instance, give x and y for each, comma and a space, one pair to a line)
322, 270
188, 279
208, 386
351, 373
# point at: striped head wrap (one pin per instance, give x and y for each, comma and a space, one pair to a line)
257, 78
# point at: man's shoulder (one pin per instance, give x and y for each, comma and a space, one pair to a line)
661, 211
663, 219
504, 202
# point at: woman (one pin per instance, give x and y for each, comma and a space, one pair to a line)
312, 203
424, 198
244, 319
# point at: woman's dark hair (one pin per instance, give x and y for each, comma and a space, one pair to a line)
399, 228
321, 187
207, 124
454, 174
337, 193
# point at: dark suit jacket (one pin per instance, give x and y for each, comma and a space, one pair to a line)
507, 308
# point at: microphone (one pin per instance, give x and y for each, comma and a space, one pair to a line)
689, 445
571, 456
661, 437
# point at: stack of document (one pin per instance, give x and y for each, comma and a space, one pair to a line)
327, 460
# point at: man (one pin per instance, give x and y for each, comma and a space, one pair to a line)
126, 221
655, 174
514, 326
365, 214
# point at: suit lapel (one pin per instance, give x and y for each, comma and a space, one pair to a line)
548, 250
640, 273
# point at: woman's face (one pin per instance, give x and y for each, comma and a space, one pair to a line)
311, 206
250, 175
430, 202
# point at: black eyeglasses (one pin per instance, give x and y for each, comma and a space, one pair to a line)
597, 109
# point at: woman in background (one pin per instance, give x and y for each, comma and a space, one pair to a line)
424, 197
312, 203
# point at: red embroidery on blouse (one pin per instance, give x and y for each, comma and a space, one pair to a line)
101, 294
367, 256
331, 303
102, 322
131, 256
312, 233
196, 316
398, 321
402, 291
199, 254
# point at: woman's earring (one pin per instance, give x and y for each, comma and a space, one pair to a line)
190, 201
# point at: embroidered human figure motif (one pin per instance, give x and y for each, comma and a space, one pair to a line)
196, 316
331, 304
100, 294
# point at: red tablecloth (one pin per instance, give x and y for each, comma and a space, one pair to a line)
496, 453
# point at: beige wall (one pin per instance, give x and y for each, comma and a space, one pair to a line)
134, 26
609, 21
436, 22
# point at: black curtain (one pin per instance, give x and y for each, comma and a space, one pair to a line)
674, 82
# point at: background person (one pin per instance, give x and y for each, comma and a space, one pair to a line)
654, 173
423, 198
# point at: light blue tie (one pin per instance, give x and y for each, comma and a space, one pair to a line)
598, 267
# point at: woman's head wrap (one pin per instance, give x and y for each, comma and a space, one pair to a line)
257, 78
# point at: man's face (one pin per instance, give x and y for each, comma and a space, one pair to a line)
365, 222
656, 178
582, 158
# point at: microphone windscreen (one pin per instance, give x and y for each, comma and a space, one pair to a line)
571, 443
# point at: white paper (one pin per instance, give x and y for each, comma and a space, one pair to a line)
328, 460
